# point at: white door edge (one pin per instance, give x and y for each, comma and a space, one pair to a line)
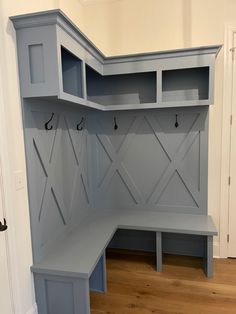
230, 30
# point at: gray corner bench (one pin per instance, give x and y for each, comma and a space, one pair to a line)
77, 263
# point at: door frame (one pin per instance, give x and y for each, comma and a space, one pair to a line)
6, 182
5, 239
230, 31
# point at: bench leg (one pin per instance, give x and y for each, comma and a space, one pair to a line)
81, 296
98, 278
159, 251
61, 294
209, 257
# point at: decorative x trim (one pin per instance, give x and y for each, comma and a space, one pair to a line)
175, 159
79, 152
117, 160
49, 164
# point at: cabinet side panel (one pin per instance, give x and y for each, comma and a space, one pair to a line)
38, 61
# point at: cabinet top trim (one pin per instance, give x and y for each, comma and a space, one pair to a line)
57, 17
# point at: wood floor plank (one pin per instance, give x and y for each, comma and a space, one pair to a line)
182, 288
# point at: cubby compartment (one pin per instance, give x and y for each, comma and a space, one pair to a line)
121, 89
71, 73
190, 84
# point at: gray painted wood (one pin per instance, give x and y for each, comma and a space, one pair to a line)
61, 161
159, 251
121, 89
178, 184
98, 278
185, 84
58, 172
39, 143
60, 295
38, 53
134, 240
92, 237
66, 290
209, 256
147, 176
71, 73
172, 243
37, 59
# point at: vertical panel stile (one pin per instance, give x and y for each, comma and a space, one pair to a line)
204, 162
84, 80
159, 86
159, 251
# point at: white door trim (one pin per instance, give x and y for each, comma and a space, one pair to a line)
230, 30
3, 172
7, 184
3, 198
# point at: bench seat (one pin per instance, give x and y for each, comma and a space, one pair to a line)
77, 264
78, 254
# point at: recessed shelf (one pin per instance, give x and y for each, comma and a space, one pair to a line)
190, 84
121, 89
71, 73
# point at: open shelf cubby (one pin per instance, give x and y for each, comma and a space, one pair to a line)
71, 73
121, 89
190, 84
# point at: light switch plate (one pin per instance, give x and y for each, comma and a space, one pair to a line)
19, 180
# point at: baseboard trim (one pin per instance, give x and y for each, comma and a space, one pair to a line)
33, 309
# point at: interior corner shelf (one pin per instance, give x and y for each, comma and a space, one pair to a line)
121, 89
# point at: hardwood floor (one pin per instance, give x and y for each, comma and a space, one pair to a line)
135, 287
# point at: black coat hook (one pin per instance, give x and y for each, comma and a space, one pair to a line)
46, 124
79, 127
115, 124
176, 121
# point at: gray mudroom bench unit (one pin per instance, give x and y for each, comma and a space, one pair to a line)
117, 155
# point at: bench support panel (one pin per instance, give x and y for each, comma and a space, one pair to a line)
159, 251
98, 278
208, 258
60, 295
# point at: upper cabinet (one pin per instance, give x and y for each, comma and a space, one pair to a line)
56, 60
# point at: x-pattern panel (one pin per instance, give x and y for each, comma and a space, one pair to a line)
79, 152
49, 166
176, 159
117, 161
